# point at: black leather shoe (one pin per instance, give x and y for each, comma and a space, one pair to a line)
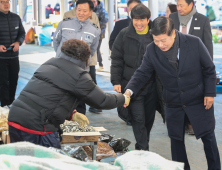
94, 110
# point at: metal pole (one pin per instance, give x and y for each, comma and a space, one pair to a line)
35, 10
14, 6
64, 7
106, 5
111, 18
40, 12
116, 10
153, 6
23, 9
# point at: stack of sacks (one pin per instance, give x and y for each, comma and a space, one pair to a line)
4, 119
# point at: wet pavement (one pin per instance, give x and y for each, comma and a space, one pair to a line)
31, 56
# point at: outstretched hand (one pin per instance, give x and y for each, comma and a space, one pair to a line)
80, 118
127, 95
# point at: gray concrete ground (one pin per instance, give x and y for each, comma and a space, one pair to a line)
32, 56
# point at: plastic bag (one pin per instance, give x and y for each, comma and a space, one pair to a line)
45, 35
119, 144
103, 151
75, 152
121, 153
58, 150
4, 119
105, 138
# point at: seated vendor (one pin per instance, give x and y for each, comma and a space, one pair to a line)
53, 93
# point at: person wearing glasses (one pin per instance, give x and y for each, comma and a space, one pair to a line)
12, 35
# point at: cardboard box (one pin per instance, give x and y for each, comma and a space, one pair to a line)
5, 137
82, 137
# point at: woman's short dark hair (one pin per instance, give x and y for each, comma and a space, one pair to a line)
131, 1
140, 11
172, 7
91, 5
162, 25
77, 49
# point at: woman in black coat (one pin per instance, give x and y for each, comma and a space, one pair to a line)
53, 93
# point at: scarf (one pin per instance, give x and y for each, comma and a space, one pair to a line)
184, 19
172, 53
145, 31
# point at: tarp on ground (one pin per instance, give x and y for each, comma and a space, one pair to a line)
144, 160
28, 156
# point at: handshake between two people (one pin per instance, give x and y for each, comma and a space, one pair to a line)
127, 94
82, 120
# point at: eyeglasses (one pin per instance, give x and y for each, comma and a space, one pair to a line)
5, 2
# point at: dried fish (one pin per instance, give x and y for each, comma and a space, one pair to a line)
70, 126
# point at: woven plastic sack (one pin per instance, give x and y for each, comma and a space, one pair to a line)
25, 155
4, 118
144, 160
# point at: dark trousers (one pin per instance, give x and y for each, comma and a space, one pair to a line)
142, 112
81, 108
92, 72
99, 56
49, 140
9, 69
179, 154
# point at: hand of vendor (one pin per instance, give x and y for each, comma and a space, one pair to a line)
80, 118
127, 100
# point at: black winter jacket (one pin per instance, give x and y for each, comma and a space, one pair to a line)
127, 57
119, 25
11, 30
58, 86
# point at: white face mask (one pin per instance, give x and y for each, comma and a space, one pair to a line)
130, 14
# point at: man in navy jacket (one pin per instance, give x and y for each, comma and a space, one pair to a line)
188, 75
12, 35
119, 25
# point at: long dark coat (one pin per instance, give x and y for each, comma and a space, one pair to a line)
184, 91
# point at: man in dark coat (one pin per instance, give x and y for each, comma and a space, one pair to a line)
127, 55
119, 25
188, 75
12, 35
53, 93
187, 20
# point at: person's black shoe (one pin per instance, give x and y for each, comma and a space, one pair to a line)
94, 110
129, 123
